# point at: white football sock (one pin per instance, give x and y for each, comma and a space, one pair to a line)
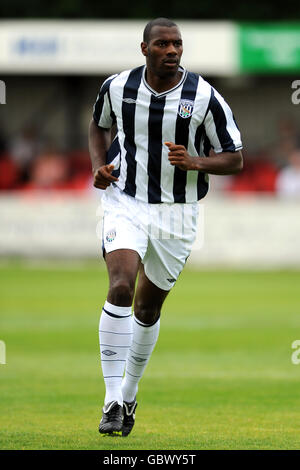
115, 337
143, 342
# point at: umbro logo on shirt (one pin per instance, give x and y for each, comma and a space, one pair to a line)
129, 100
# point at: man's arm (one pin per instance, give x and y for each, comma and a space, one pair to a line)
99, 141
224, 163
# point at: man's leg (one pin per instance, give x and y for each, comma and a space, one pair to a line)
115, 332
146, 322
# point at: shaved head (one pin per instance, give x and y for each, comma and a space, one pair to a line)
157, 22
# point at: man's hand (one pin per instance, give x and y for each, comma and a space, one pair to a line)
179, 156
223, 163
103, 177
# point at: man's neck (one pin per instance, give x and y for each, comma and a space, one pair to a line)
161, 84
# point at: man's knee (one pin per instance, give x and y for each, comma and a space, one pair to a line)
121, 292
146, 314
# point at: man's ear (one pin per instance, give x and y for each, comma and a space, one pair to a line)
144, 48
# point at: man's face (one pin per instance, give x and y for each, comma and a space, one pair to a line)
163, 51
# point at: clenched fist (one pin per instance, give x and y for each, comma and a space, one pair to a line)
178, 156
103, 177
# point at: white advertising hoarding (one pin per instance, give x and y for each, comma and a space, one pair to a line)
106, 47
235, 232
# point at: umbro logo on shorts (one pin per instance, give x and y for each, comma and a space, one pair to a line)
171, 280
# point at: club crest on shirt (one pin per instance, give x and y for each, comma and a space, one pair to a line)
111, 235
185, 108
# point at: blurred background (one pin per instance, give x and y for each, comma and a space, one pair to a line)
240, 297
52, 64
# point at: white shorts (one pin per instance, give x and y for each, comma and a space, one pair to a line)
162, 234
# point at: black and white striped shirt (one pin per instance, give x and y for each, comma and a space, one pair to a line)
192, 114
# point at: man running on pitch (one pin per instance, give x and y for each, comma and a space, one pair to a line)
168, 121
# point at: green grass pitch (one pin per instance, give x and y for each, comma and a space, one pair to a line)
221, 375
